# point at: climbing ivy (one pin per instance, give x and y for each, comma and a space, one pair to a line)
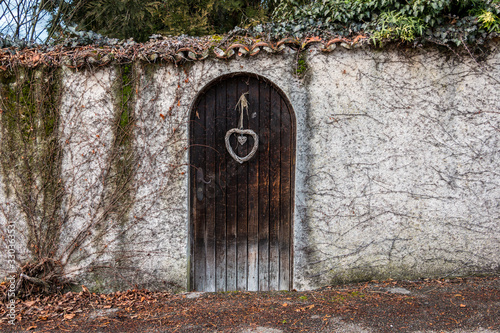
444, 21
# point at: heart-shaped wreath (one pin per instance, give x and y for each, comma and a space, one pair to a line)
242, 132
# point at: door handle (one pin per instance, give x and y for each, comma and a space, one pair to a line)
200, 183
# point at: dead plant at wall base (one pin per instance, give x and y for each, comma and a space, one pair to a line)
42, 277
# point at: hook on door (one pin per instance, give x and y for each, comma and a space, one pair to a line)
200, 181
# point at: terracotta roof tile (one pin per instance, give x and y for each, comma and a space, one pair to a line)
174, 50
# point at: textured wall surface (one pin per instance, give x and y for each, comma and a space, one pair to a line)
86, 135
402, 176
397, 167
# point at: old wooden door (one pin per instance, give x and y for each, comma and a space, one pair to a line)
241, 213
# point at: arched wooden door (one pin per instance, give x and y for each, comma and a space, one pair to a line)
241, 213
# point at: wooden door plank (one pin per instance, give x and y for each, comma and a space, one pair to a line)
198, 161
274, 200
292, 189
192, 202
210, 190
242, 229
232, 188
264, 146
220, 187
253, 190
285, 198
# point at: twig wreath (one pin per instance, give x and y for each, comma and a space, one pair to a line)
242, 139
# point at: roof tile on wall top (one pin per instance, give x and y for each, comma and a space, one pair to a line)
174, 50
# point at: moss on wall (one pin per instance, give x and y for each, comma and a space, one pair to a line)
31, 154
123, 158
301, 65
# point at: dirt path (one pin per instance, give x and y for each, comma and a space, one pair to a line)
457, 305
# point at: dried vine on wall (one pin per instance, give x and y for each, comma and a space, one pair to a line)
80, 173
31, 163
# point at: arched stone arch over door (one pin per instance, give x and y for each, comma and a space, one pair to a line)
241, 213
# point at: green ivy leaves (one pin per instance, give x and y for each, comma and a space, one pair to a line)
448, 21
489, 21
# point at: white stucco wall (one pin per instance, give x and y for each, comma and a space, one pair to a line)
403, 164
397, 162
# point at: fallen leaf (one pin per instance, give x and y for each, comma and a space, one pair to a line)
29, 303
69, 316
305, 308
462, 305
284, 304
31, 328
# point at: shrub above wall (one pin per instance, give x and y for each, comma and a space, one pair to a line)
446, 22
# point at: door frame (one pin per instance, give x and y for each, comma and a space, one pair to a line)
190, 223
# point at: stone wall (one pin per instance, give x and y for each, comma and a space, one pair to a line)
397, 167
